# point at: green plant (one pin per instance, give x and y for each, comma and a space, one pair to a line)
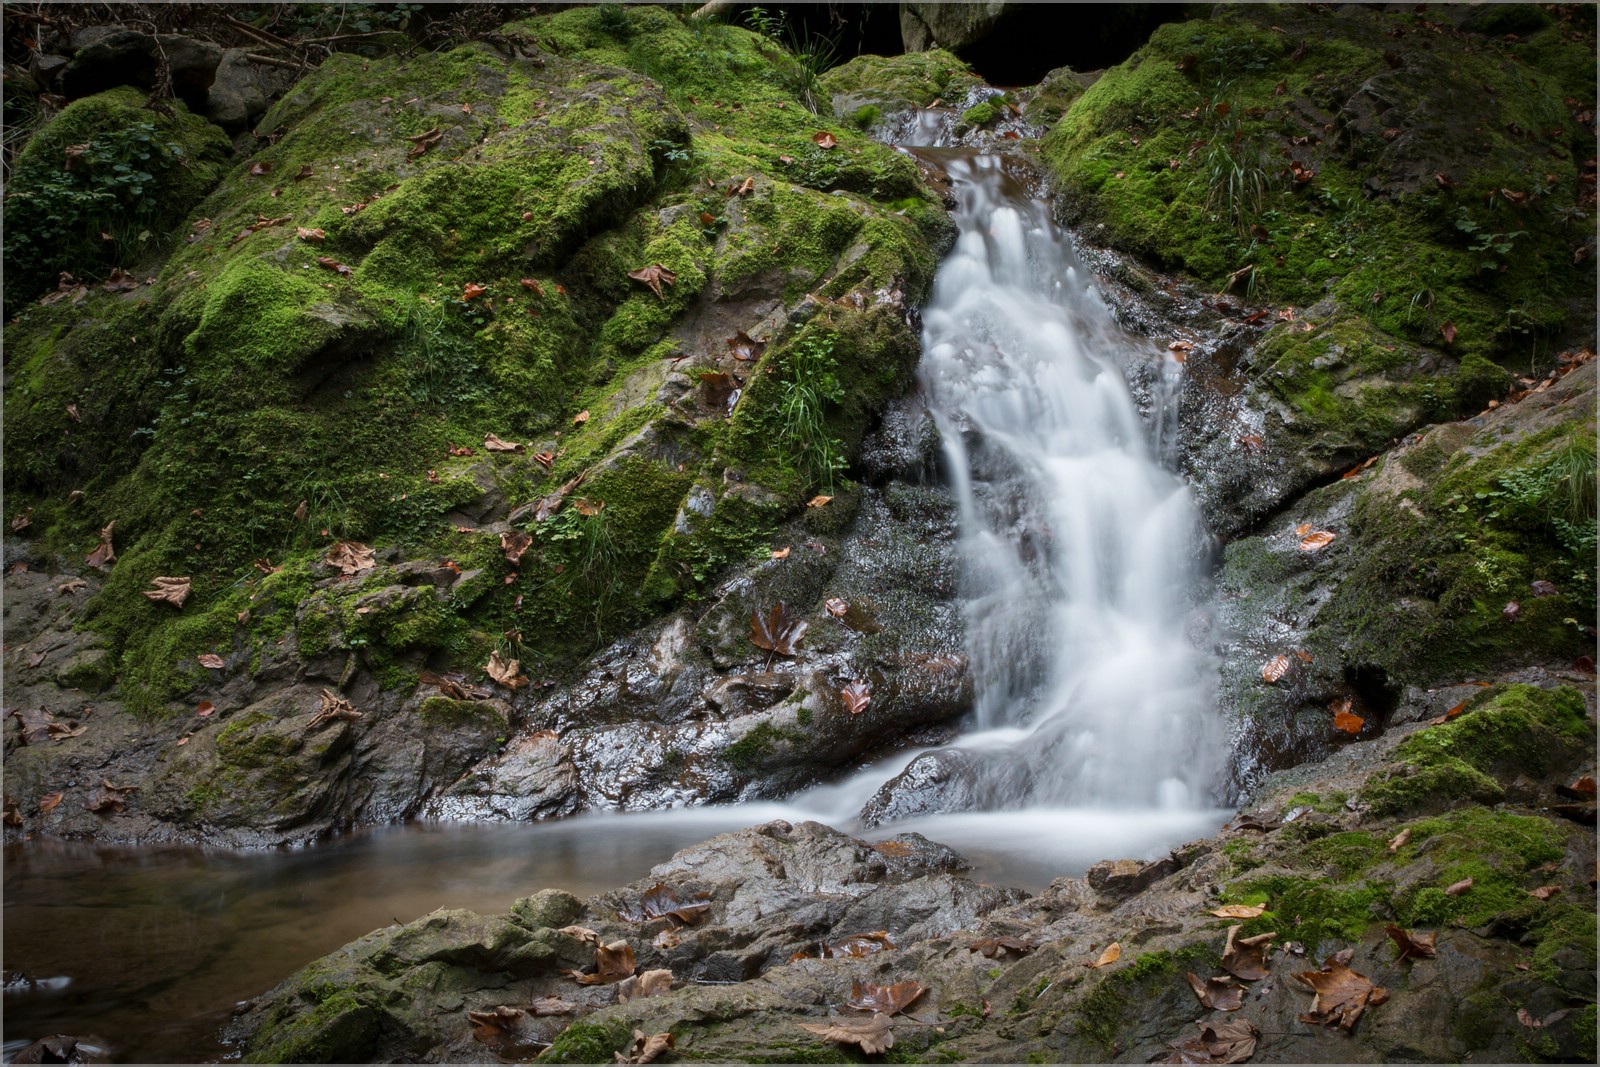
1498, 245
442, 366
813, 384
1235, 167
587, 544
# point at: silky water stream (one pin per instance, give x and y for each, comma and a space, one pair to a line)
1093, 735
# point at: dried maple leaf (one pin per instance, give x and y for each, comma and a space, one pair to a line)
1316, 539
472, 290
824, 139
1230, 1042
493, 443
649, 984
504, 672
111, 799
35, 724
998, 947
306, 233
777, 631
513, 543
333, 707
745, 348
1238, 911
48, 802
654, 276
1221, 994
169, 590
856, 697
1246, 957
350, 557
1276, 668
1112, 954
645, 1049
873, 1035
211, 660
103, 555
1412, 946
1342, 995
888, 999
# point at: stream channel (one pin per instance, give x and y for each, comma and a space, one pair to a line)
1093, 735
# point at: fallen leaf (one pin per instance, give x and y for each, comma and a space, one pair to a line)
649, 984
1448, 330
1276, 668
513, 543
582, 933
1543, 588
1528, 1020
333, 707
667, 939
505, 672
1398, 840
1246, 957
1413, 946
888, 999
777, 631
818, 501
661, 901
588, 508
548, 1005
306, 233
654, 276
1111, 955
472, 290
13, 814
350, 557
545, 459
103, 555
1316, 539
424, 141
837, 607
999, 947
580, 418
747, 188
856, 697
781, 553
111, 799
48, 802
1582, 789
1344, 719
873, 1035
1238, 911
300, 512
1512, 611
1221, 994
1342, 995
169, 590
1230, 1042
824, 139
1544, 892
721, 390
205, 709
612, 963
645, 1049
305, 172
1458, 888
257, 169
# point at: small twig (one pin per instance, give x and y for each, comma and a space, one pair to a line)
273, 61
258, 34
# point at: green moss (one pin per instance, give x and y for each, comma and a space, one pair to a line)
980, 114
443, 711
343, 1028
759, 745
1103, 1015
587, 1042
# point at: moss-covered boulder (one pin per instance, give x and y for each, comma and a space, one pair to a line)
1467, 551
1354, 192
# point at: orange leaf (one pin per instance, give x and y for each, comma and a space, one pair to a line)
48, 802
856, 697
1316, 539
1112, 953
1349, 722
532, 285
781, 553
205, 709
1303, 529
473, 290
818, 501
825, 139
1398, 840
1413, 946
580, 418
838, 607
1276, 668
1544, 892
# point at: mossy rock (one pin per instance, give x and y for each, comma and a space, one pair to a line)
892, 83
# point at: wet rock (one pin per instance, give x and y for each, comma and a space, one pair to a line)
242, 89
114, 56
1117, 880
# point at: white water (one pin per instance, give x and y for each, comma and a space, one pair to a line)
1080, 549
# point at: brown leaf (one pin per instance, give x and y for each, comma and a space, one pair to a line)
35, 724
329, 263
889, 999
856, 697
1448, 330
1111, 955
493, 443
472, 290
13, 814
781, 553
654, 276
1413, 946
1458, 888
1399, 840
818, 501
1344, 719
504, 672
649, 984
168, 590
350, 557
1221, 994
1512, 611
111, 799
513, 543
707, 218
1582, 789
873, 1035
548, 1005
1230, 1042
333, 707
306, 233
1276, 668
211, 660
777, 631
1528, 1020
257, 169
612, 963
48, 802
580, 418
304, 173
119, 282
1246, 957
662, 901
745, 348
424, 141
588, 508
998, 947
1342, 995
205, 709
1238, 911
103, 555
747, 188
507, 1031
720, 388
837, 607
1316, 539
645, 1049
824, 139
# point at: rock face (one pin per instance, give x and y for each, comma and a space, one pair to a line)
764, 931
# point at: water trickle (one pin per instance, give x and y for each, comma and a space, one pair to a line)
1080, 549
